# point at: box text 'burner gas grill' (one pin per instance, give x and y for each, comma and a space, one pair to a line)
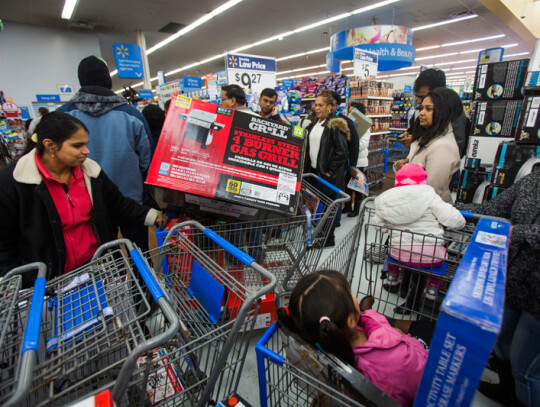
199, 126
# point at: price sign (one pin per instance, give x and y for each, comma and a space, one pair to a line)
365, 64
251, 72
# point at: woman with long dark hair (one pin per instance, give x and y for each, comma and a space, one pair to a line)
434, 145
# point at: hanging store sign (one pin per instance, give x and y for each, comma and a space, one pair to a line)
251, 71
365, 64
128, 60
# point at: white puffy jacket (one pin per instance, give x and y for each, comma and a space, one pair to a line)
418, 209
363, 149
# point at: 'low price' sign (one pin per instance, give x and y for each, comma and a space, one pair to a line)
251, 71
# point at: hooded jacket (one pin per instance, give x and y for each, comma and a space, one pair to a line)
392, 361
119, 138
520, 204
418, 209
333, 153
31, 229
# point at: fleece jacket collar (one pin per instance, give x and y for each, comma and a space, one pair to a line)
96, 101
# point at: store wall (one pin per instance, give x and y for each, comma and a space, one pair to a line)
34, 60
401, 81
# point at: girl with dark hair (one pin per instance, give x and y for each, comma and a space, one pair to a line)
434, 145
57, 205
324, 312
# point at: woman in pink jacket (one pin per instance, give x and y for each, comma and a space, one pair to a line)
324, 312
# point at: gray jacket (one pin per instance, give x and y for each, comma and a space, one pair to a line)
521, 204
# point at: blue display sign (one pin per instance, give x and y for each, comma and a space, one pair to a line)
48, 98
235, 61
25, 113
192, 82
332, 64
407, 89
146, 94
288, 83
128, 60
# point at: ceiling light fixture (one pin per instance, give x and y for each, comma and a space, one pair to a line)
437, 56
301, 54
492, 37
516, 55
69, 7
454, 20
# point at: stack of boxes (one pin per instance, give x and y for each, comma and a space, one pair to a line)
495, 117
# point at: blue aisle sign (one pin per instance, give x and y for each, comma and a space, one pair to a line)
251, 71
48, 98
192, 82
407, 89
146, 94
65, 89
288, 83
25, 112
128, 60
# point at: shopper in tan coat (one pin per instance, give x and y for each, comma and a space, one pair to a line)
434, 145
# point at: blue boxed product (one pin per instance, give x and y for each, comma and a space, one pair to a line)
469, 321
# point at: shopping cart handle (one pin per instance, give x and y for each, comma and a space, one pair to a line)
147, 275
236, 252
329, 185
477, 216
33, 324
467, 214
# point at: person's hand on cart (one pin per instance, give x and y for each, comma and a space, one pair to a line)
401, 163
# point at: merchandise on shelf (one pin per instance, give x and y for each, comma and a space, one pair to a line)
492, 191
529, 124
469, 183
496, 119
380, 124
500, 80
371, 88
509, 160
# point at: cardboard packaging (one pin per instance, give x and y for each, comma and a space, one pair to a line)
492, 191
469, 321
500, 80
484, 148
496, 119
529, 124
469, 182
226, 161
509, 159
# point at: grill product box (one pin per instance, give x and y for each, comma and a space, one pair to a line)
529, 124
226, 161
469, 182
500, 80
509, 159
469, 320
496, 119
492, 191
484, 148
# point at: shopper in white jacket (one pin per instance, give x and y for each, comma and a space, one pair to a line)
415, 215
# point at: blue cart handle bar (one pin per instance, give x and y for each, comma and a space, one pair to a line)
232, 249
261, 349
325, 183
476, 216
147, 275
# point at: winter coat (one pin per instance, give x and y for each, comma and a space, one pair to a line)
440, 158
30, 226
392, 361
417, 209
352, 142
119, 138
520, 204
363, 150
333, 154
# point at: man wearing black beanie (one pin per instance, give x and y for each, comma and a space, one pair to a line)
119, 138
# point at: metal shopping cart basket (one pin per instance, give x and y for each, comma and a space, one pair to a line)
96, 326
288, 247
293, 373
217, 308
19, 331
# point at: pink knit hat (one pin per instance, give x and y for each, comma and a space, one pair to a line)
411, 174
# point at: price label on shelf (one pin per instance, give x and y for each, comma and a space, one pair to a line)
251, 71
365, 64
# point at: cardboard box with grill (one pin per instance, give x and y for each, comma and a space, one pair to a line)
228, 162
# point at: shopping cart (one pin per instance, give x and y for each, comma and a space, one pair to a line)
218, 310
19, 331
294, 373
288, 247
96, 326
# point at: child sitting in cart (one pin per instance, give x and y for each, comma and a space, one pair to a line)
419, 213
323, 311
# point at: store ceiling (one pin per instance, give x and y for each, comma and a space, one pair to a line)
254, 20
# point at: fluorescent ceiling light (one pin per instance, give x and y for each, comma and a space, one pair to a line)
373, 6
301, 54
113, 72
426, 48
436, 56
454, 20
450, 44
516, 55
325, 21
69, 7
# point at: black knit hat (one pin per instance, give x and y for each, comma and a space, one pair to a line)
94, 72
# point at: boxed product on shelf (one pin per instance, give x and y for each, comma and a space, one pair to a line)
508, 161
492, 191
500, 80
469, 183
469, 320
472, 163
228, 162
496, 119
529, 124
484, 148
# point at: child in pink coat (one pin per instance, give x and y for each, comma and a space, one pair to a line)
324, 312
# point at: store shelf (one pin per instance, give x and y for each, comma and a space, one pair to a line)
380, 132
378, 115
397, 129
371, 98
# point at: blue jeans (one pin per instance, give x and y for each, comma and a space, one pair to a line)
519, 342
